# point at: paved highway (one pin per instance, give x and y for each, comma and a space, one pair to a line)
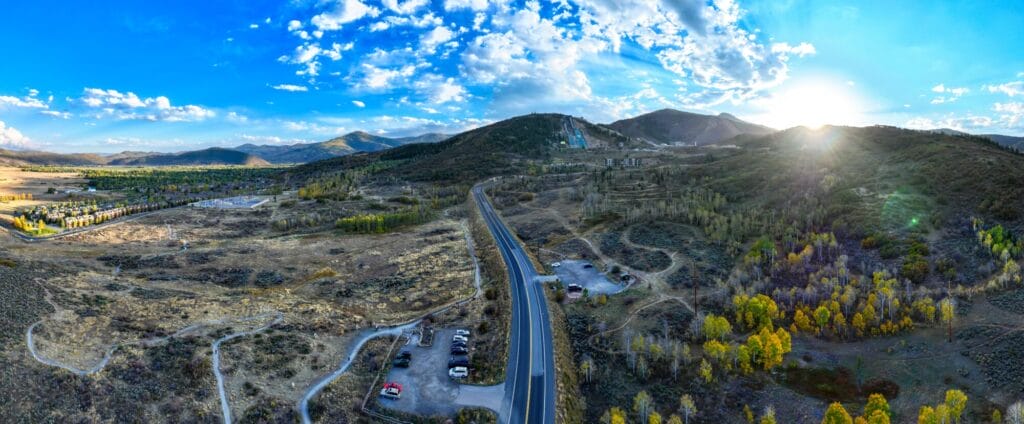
530, 381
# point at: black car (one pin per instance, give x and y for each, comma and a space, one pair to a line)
458, 361
458, 344
405, 354
401, 362
459, 350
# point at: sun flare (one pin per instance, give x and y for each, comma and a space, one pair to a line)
813, 104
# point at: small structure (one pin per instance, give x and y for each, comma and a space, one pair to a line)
624, 163
239, 202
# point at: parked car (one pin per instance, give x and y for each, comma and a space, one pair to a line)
458, 350
458, 361
556, 264
462, 332
575, 288
458, 372
405, 354
458, 344
401, 362
391, 390
458, 338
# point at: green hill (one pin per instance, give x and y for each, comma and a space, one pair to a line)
497, 149
669, 126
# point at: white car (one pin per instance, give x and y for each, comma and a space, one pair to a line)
556, 264
458, 338
458, 372
462, 332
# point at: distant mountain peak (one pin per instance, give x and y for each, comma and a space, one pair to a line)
670, 126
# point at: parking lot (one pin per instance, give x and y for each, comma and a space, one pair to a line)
427, 389
591, 278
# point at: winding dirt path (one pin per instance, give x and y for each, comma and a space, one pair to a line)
225, 406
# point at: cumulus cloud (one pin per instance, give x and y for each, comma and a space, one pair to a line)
290, 87
308, 55
951, 94
406, 7
129, 106
11, 137
358, 104
439, 90
375, 78
29, 101
538, 54
1007, 116
970, 123
476, 5
343, 12
1012, 89
435, 37
270, 139
56, 114
1011, 114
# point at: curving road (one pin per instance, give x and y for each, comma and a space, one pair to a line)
357, 345
530, 382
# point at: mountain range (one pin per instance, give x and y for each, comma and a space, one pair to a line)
666, 127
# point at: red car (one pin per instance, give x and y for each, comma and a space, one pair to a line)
391, 390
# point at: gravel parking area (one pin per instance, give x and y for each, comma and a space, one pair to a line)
577, 272
427, 390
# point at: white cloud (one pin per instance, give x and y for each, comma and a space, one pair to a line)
129, 106
540, 60
294, 25
375, 78
358, 104
952, 94
254, 26
237, 118
1008, 116
267, 21
11, 137
1011, 114
475, 5
269, 139
406, 7
25, 102
343, 12
434, 38
971, 123
290, 87
439, 90
56, 114
801, 50
1012, 89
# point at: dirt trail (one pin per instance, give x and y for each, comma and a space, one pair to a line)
225, 406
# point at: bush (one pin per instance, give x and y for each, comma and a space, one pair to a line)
869, 242
918, 248
915, 268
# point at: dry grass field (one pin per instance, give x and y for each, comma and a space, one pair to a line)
154, 293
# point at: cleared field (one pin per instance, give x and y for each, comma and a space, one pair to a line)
158, 290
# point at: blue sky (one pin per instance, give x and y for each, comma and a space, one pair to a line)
170, 76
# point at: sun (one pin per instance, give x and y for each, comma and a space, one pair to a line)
813, 104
